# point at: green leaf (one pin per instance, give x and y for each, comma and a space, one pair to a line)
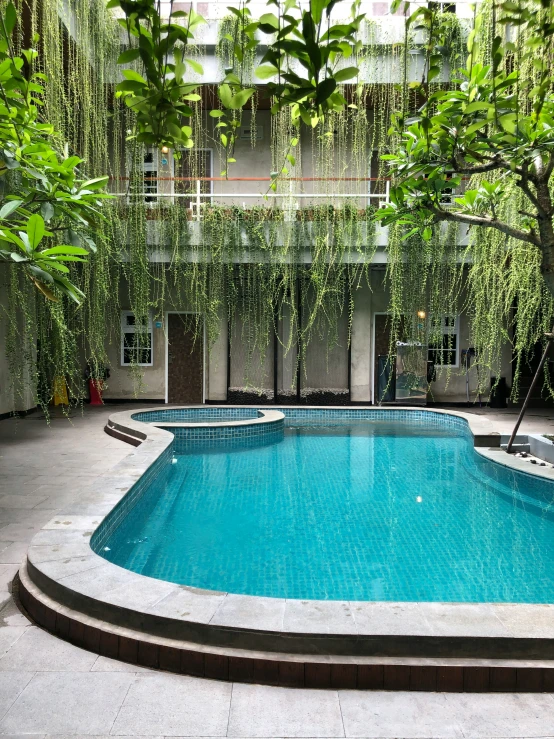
473, 107
216, 113
74, 250
9, 207
346, 74
225, 95
266, 71
35, 230
241, 98
130, 74
198, 68
10, 18
128, 56
269, 20
474, 127
96, 184
41, 274
47, 211
324, 90
508, 122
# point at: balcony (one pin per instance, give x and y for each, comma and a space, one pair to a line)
210, 212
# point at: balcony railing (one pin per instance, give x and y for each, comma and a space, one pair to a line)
216, 9
290, 200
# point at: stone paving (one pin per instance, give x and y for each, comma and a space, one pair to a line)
49, 688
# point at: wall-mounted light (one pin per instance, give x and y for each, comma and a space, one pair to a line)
421, 314
165, 149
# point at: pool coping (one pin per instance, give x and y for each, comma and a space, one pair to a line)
61, 563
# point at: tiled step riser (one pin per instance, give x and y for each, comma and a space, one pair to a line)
285, 673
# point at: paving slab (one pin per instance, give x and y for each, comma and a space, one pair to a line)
174, 705
262, 711
11, 686
394, 714
503, 715
21, 501
463, 619
14, 553
77, 703
389, 618
105, 664
39, 651
10, 615
319, 616
251, 613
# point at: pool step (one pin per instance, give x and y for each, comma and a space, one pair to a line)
113, 430
277, 668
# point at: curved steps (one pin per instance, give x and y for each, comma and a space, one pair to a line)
278, 668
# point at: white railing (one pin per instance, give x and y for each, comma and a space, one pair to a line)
216, 9
197, 197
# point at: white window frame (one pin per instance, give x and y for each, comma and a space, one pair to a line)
126, 329
151, 167
211, 174
452, 330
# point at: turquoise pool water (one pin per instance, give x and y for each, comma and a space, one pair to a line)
368, 510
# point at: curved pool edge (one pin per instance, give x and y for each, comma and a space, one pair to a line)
62, 566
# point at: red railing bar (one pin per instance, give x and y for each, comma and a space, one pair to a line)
259, 179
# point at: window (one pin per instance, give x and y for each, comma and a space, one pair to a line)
150, 169
445, 7
193, 164
378, 185
443, 341
136, 340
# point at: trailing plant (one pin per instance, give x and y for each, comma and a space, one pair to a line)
37, 183
493, 126
160, 96
253, 267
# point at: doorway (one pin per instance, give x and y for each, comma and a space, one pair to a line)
184, 361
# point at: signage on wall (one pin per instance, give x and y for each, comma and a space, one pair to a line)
158, 324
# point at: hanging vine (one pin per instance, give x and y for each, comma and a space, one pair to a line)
251, 265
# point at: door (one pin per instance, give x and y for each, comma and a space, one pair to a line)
185, 362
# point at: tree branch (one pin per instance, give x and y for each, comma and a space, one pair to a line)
462, 168
470, 220
523, 184
549, 167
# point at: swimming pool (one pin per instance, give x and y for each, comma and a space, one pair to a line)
353, 507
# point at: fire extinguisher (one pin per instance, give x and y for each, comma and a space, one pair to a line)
96, 383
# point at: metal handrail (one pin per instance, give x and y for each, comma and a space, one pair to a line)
197, 196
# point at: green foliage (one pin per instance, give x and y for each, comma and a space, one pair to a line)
306, 37
237, 46
159, 97
494, 126
36, 183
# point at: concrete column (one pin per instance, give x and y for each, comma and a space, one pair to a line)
361, 346
216, 364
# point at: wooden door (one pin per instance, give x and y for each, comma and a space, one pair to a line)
185, 362
382, 348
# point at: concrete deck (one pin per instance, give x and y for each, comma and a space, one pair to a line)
51, 688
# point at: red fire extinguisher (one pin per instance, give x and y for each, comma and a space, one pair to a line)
96, 384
